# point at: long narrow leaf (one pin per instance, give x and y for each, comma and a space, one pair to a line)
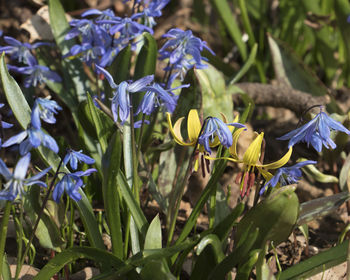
74, 75
70, 255
230, 22
136, 212
110, 167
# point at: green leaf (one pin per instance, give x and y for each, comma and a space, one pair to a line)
342, 11
154, 235
344, 176
275, 217
215, 242
320, 207
318, 263
317, 175
103, 124
110, 166
245, 270
290, 69
223, 229
72, 254
147, 58
74, 75
250, 61
47, 232
14, 95
120, 67
224, 11
136, 212
216, 99
156, 270
6, 272
235, 257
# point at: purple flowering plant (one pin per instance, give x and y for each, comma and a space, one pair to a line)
127, 113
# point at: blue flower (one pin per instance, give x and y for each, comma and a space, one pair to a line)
32, 138
71, 183
121, 100
16, 181
106, 14
183, 48
20, 51
37, 73
154, 9
316, 132
73, 157
127, 27
216, 127
151, 99
87, 52
44, 109
286, 175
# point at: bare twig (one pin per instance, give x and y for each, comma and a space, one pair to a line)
281, 95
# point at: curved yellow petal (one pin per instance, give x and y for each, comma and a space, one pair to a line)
193, 125
267, 175
176, 131
230, 159
233, 148
279, 163
252, 154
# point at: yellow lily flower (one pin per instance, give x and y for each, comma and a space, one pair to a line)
250, 161
194, 127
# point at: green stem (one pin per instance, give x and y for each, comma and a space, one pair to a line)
37, 221
130, 166
176, 195
3, 232
212, 208
19, 224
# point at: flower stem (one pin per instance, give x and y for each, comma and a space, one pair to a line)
3, 232
38, 220
176, 195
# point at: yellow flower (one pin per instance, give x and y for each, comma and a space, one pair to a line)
194, 127
251, 161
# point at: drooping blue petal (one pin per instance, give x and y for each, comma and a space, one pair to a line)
59, 189
16, 139
4, 171
36, 177
22, 167
286, 175
140, 83
107, 76
316, 132
50, 143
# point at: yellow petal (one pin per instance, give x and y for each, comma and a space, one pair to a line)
176, 131
230, 159
233, 148
252, 154
193, 125
279, 163
267, 175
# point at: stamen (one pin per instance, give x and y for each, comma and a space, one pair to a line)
244, 186
251, 182
238, 178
